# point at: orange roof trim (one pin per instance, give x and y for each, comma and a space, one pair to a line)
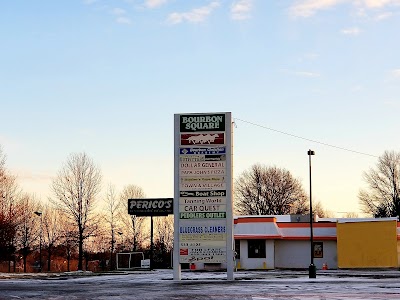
256, 237
255, 220
307, 238
306, 225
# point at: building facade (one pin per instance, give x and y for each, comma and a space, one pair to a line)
283, 242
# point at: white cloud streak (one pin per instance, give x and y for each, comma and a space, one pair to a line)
384, 16
308, 8
88, 2
351, 31
196, 15
118, 11
302, 73
241, 10
121, 17
123, 20
306, 74
154, 3
380, 3
396, 73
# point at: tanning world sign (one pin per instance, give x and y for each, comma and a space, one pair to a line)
203, 218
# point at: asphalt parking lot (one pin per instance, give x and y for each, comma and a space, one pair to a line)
159, 284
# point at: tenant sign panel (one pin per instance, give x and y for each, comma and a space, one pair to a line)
150, 207
203, 188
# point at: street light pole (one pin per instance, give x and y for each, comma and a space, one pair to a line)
39, 213
312, 270
122, 244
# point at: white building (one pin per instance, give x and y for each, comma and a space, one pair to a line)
269, 242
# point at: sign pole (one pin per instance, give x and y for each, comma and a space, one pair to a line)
230, 264
151, 243
176, 263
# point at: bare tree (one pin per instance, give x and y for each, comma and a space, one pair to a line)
75, 189
134, 226
164, 229
9, 216
52, 231
263, 190
351, 215
112, 208
9, 212
164, 234
320, 211
382, 198
28, 229
68, 237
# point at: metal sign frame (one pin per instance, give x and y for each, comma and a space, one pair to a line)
203, 168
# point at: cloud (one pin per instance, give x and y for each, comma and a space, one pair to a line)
25, 174
196, 15
123, 20
302, 73
392, 103
308, 8
306, 74
118, 11
357, 88
396, 73
380, 3
383, 16
121, 17
9, 144
240, 10
88, 2
351, 31
154, 3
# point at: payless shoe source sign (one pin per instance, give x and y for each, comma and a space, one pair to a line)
203, 187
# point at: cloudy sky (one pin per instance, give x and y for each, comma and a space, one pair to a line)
106, 78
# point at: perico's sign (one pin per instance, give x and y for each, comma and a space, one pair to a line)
151, 207
209, 122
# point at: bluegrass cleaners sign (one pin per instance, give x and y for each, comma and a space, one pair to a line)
203, 218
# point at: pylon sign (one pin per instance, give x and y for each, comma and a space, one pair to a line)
203, 188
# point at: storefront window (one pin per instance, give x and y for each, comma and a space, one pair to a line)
318, 250
256, 248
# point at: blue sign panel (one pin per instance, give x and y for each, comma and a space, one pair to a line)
205, 150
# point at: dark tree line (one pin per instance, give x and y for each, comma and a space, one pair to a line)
73, 221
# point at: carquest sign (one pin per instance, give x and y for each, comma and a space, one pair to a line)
150, 207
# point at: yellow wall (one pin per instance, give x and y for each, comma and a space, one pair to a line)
367, 244
398, 253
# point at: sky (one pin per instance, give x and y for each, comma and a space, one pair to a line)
106, 78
